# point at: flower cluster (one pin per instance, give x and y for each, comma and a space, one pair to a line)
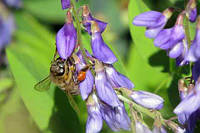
190, 96
173, 39
103, 83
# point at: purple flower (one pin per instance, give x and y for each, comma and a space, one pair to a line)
94, 121
147, 99
87, 18
181, 59
194, 54
7, 27
65, 4
191, 10
116, 118
159, 130
104, 89
192, 99
13, 3
141, 128
153, 20
100, 50
168, 38
196, 71
180, 130
66, 38
86, 85
117, 79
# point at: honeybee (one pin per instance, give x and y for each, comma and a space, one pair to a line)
63, 74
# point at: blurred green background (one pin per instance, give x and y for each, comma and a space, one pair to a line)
24, 110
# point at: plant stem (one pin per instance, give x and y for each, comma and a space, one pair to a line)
78, 26
139, 108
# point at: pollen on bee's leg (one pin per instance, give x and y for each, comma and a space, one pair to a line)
81, 76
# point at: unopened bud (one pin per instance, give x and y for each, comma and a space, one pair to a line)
168, 12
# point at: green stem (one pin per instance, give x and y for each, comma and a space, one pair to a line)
78, 27
139, 108
187, 31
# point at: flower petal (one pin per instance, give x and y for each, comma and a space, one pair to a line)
65, 4
66, 40
153, 32
116, 79
149, 19
116, 118
100, 50
94, 121
7, 27
147, 99
14, 3
193, 99
104, 90
176, 50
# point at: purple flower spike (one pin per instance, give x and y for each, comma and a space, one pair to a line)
86, 85
87, 18
65, 4
116, 118
194, 54
100, 50
154, 21
116, 79
103, 87
147, 99
167, 38
66, 38
193, 99
7, 27
191, 10
141, 128
94, 121
13, 3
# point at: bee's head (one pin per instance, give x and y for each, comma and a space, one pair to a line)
58, 67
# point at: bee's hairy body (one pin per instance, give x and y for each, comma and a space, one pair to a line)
63, 74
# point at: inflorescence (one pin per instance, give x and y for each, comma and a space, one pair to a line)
105, 90
176, 42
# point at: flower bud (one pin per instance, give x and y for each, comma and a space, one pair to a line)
168, 38
65, 4
154, 21
100, 50
191, 10
147, 99
66, 38
87, 18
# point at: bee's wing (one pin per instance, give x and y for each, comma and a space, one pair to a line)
73, 103
43, 85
